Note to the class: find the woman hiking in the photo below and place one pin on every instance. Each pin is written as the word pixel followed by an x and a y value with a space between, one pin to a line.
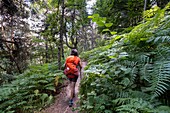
pixel 71 66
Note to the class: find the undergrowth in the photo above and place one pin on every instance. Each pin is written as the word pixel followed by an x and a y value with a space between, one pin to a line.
pixel 32 90
pixel 132 73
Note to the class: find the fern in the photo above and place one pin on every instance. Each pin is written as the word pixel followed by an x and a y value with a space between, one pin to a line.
pixel 133 71
pixel 30 90
pixel 135 105
pixel 161 36
pixel 162 82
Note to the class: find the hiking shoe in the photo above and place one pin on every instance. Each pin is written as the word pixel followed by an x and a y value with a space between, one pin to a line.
pixel 71 103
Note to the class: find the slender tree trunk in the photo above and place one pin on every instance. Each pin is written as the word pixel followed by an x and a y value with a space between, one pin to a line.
pixel 85 38
pixel 59 57
pixel 92 38
pixel 52 51
pixel 144 9
pixel 46 51
pixel 145 5
pixel 73 37
pixel 74 40
pixel 60 47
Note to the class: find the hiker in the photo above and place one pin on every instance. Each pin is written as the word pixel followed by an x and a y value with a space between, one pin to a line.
pixel 72 64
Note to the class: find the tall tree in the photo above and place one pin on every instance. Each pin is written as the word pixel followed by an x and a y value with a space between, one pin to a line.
pixel 13 39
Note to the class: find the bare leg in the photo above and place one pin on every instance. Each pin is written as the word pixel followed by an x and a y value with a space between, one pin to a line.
pixel 72 89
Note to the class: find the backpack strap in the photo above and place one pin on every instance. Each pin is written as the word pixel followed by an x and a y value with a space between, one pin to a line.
pixel 75 61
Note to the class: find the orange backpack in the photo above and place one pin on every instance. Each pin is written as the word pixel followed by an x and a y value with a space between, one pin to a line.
pixel 71 65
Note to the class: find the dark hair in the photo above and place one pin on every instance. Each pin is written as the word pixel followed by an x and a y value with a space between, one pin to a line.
pixel 74 52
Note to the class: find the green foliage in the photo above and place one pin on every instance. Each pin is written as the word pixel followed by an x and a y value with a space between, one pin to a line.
pixel 4 63
pixel 121 13
pixel 125 13
pixel 101 22
pixel 130 74
pixel 31 90
pixel 92 54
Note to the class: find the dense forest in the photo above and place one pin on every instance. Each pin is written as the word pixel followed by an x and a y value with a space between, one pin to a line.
pixel 125 42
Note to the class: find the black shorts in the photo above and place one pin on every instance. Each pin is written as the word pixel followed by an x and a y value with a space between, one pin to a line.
pixel 73 79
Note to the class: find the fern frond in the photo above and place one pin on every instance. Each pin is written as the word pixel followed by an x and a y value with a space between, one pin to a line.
pixel 163 39
pixel 162 83
pixel 135 105
pixel 160 39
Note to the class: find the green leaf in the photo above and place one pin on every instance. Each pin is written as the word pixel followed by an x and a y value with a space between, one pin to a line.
pixel 125 81
pixel 52 88
pixel 123 68
pixel 102 107
pixel 36 91
pixel 95 15
pixel 117 37
pixel 95 19
pixel 108 24
pixel 103 19
pixel 90 17
pixel 43 81
pixel 104 30
pixel 113 32
pixel 89 107
pixel 100 23
pixel 108 111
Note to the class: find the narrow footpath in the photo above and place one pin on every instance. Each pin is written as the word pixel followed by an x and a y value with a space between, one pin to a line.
pixel 61 103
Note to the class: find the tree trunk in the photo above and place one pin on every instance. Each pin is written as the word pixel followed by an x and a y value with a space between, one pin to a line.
pixel 46 51
pixel 73 37
pixel 52 51
pixel 60 47
pixel 85 38
pixel 92 38
pixel 9 50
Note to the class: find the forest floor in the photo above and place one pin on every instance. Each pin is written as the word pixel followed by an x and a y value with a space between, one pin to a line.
pixel 61 100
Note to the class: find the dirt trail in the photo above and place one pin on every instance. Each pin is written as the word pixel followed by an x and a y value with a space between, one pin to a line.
pixel 61 103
